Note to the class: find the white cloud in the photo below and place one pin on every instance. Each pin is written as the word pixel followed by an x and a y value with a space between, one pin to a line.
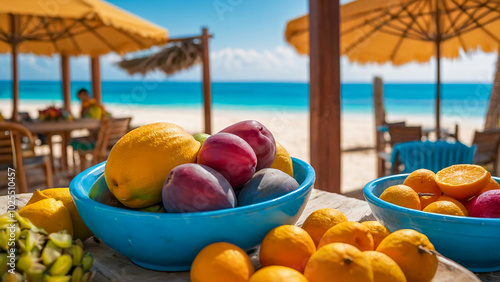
pixel 280 63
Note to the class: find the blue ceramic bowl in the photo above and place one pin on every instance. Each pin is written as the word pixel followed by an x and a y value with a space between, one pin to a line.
pixel 171 241
pixel 472 242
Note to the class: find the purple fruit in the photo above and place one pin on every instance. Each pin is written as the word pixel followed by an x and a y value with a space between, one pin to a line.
pixel 194 187
pixel 266 184
pixel 230 155
pixel 259 138
pixel 486 205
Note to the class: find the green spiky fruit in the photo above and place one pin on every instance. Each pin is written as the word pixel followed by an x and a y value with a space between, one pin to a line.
pixel 40 256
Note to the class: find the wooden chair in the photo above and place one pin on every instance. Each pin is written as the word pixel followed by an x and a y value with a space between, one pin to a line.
pixel 401 134
pixel 12 154
pixel 110 131
pixel 382 140
pixel 487 143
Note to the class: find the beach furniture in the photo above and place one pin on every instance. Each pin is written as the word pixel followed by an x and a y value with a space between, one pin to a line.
pixel 487 143
pixel 61 128
pixel 110 131
pixel 14 156
pixel 430 155
pixel 398 133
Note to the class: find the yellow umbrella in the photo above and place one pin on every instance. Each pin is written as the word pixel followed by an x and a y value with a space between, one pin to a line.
pixel 76 27
pixel 406 31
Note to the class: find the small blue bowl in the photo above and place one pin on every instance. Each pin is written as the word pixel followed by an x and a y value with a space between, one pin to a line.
pixel 471 241
pixel 171 241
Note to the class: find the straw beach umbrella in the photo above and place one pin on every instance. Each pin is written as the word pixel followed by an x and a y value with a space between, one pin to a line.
pixel 71 28
pixel 173 58
pixel 406 31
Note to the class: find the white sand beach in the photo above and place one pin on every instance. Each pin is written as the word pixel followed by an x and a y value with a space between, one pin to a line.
pixel 290 128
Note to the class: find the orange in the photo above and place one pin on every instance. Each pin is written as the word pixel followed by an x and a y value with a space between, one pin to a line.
pixel 318 222
pixel 413 252
pixel 401 195
pixel 80 230
pixel 444 207
pixel 384 268
pixel 283 161
pixel 222 262
pixel 48 214
pixel 462 181
pixel 458 203
pixel 424 181
pixel 141 160
pixel 378 231
pixel 287 245
pixel 277 273
pixel 351 232
pixel 492 185
pixel 338 262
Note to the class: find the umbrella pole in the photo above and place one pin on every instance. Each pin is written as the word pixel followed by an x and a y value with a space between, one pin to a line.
pixel 324 93
pixel 438 71
pixel 66 82
pixel 96 79
pixel 438 90
pixel 207 91
pixel 14 24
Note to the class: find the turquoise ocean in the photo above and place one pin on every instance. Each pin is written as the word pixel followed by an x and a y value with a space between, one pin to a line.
pixel 401 98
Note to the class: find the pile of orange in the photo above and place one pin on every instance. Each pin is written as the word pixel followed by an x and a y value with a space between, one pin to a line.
pixel 449 191
pixel 327 247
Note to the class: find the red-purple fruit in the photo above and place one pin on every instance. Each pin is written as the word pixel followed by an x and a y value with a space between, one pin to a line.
pixel 266 184
pixel 259 138
pixel 194 187
pixel 486 205
pixel 230 155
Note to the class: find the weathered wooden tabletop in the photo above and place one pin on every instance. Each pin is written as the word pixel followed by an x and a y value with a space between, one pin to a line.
pixel 110 265
pixel 61 126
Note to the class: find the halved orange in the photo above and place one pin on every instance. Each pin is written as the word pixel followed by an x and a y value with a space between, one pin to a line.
pixel 462 181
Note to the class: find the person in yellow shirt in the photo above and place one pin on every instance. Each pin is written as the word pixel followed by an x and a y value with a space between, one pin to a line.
pixel 90 107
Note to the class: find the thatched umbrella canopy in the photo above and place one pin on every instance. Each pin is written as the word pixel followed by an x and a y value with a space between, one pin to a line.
pixel 175 57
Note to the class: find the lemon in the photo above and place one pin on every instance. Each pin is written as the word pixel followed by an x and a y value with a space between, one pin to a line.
pixel 49 214
pixel 62 194
pixel 140 161
pixel 283 161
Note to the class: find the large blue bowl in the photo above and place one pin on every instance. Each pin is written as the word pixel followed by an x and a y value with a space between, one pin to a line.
pixel 170 241
pixel 473 242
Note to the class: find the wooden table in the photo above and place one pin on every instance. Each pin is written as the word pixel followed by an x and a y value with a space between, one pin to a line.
pixel 110 265
pixel 62 128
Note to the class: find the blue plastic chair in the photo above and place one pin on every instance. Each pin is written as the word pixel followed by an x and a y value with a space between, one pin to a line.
pixel 430 155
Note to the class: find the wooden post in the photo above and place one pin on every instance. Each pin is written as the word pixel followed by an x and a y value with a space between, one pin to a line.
pixel 14 25
pixel 324 93
pixel 96 79
pixel 493 114
pixel 66 86
pixel 378 104
pixel 378 101
pixel 438 71
pixel 207 87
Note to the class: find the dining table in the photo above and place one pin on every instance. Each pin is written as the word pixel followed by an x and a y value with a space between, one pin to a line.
pixel 62 128
pixel 109 265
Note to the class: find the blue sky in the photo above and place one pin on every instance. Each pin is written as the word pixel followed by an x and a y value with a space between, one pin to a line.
pixel 248 45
